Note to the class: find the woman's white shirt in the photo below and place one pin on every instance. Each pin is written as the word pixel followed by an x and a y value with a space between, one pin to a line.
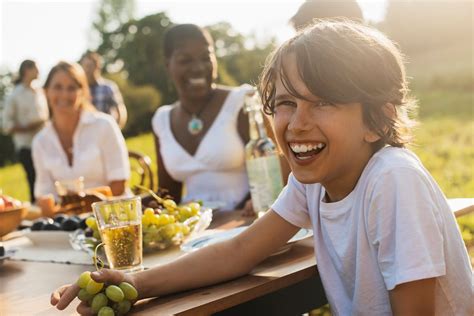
pixel 99 154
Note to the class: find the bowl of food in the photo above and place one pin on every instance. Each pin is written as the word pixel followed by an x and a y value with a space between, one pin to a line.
pixel 12 212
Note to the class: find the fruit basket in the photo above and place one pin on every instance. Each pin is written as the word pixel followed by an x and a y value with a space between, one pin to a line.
pixel 11 218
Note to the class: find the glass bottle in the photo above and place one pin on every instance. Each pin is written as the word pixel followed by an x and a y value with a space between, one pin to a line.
pixel 262 159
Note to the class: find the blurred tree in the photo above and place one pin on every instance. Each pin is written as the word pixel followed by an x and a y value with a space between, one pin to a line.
pixel 141 102
pixel 111 15
pixel 242 58
pixel 420 25
pixel 135 47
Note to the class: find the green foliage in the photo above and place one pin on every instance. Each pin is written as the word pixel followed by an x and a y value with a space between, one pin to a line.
pixel 111 14
pixel 6 83
pixel 136 47
pixel 141 103
pixel 7 153
pixel 240 56
pixel 13 182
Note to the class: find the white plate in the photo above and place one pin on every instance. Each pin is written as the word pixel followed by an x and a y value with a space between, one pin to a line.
pixel 204 241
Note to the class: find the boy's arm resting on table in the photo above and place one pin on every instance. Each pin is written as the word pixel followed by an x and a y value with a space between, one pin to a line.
pixel 164 179
pixel 414 298
pixel 211 264
pixel 203 267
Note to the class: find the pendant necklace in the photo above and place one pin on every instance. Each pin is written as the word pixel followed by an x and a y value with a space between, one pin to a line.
pixel 195 124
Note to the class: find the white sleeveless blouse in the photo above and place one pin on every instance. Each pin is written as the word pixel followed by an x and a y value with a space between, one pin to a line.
pixel 216 173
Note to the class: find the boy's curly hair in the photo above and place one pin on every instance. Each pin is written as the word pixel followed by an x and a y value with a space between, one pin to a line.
pixel 343 62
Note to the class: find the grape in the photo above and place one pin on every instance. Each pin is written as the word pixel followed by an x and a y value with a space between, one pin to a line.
pixel 184 213
pixel 99 301
pixel 146 220
pixel 84 278
pixel 167 219
pixel 106 311
pixel 152 229
pixel 94 287
pixel 195 208
pixel 92 223
pixel 183 228
pixel 155 219
pixel 128 290
pixel 168 231
pixel 148 212
pixel 114 293
pixel 84 296
pixel 123 307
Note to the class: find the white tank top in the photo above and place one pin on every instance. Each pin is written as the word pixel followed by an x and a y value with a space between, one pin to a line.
pixel 216 173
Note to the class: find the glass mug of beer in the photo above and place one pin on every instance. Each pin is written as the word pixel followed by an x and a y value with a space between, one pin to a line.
pixel 120 228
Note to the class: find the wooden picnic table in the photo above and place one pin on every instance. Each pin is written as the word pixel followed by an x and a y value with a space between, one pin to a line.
pixel 284 284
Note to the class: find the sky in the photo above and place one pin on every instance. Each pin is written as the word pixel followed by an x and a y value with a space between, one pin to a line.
pixel 51 30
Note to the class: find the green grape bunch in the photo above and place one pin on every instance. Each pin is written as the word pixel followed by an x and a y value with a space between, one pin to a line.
pixel 106 299
pixel 168 225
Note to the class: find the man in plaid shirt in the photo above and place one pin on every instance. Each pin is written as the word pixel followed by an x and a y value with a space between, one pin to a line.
pixel 105 94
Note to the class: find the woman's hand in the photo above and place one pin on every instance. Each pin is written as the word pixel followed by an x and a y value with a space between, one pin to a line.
pixel 63 296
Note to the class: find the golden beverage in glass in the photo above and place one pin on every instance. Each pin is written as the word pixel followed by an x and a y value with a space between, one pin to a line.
pixel 123 245
pixel 120 228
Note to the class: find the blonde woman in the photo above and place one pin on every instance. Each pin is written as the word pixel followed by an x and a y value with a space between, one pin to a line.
pixel 78 141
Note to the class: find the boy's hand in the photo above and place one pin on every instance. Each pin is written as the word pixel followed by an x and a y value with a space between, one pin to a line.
pixel 64 295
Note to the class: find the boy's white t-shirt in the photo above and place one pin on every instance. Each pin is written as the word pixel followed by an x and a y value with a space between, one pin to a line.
pixel 394 227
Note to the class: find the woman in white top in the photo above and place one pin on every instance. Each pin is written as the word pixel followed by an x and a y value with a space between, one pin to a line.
pixel 200 139
pixel 78 141
pixel 24 115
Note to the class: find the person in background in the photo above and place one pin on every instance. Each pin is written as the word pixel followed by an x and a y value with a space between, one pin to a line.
pixel 24 115
pixel 106 96
pixel 200 139
pixel 78 141
pixel 385 239
pixel 318 9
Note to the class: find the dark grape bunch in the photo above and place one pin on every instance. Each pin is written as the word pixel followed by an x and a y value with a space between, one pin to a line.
pixel 106 300
pixel 59 222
